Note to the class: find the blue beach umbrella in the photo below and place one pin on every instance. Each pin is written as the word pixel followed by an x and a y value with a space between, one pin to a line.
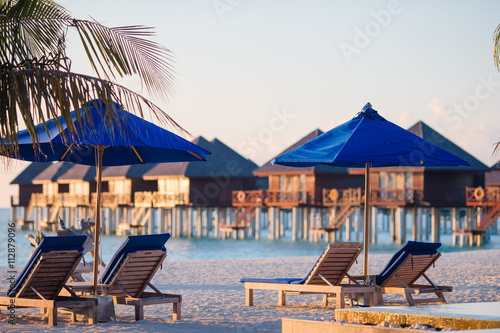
pixel 101 140
pixel 368 140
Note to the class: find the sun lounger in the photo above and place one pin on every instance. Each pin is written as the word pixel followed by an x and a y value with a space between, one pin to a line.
pixel 403 272
pixel 43 278
pixel 129 273
pixel 325 278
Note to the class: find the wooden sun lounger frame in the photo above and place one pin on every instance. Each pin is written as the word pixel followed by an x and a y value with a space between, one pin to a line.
pixel 127 291
pixel 317 283
pixel 403 281
pixel 39 292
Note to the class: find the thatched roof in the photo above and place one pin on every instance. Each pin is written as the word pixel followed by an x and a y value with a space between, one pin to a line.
pixel 78 172
pixel 126 171
pixel 492 177
pixel 222 160
pixel 53 172
pixel 29 173
pixel 427 133
pixel 268 168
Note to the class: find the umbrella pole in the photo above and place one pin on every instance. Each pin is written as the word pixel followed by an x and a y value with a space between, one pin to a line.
pixel 100 151
pixel 367 220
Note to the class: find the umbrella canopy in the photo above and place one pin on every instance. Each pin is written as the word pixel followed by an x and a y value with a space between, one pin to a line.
pixel 126 138
pixel 129 140
pixel 368 140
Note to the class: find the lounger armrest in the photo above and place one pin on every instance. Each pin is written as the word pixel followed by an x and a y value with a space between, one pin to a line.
pixel 361 279
pixel 85 286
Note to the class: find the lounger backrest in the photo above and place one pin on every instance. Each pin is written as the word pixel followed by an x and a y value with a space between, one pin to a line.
pixel 135 272
pixel 134 264
pixel 133 244
pixel 410 248
pixel 410 270
pixel 49 267
pixel 334 263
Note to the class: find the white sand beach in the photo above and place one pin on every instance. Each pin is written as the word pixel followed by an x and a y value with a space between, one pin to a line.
pixel 214 299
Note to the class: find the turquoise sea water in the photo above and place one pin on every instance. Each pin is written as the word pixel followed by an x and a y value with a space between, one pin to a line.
pixel 209 249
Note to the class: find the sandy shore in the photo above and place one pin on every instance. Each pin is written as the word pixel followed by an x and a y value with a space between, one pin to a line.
pixel 214 299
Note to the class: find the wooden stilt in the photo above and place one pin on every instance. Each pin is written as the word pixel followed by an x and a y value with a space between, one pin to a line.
pixel 258 216
pixel 373 225
pixel 272 221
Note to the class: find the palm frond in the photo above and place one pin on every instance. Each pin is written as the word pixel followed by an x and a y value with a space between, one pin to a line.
pixel 496 49
pixel 36 82
pixel 126 50
pixel 31 29
pixel 41 94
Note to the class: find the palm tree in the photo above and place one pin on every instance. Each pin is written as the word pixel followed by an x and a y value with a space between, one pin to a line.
pixel 496 49
pixel 496 58
pixel 36 81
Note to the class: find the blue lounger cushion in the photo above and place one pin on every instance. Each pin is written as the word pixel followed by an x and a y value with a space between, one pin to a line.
pixel 282 280
pixel 48 244
pixel 410 247
pixel 133 244
pixel 278 280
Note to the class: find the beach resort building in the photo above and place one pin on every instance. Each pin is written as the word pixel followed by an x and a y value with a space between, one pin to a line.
pixel 139 198
pixel 327 202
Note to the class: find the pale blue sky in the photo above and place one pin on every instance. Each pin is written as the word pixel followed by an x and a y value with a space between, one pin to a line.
pixel 260 75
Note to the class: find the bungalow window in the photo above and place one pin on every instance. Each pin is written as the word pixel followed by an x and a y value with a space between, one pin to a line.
pixel 50 189
pixel 176 188
pixel 409 185
pixel 395 185
pixel 80 188
pixel 302 188
pixel 121 186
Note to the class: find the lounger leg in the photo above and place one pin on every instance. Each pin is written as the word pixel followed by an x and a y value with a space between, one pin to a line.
pixel 325 300
pixel 374 299
pixel 92 314
pixel 177 311
pixel 281 298
pixel 52 316
pixel 441 296
pixel 380 297
pixel 73 315
pixel 340 301
pixel 409 298
pixel 139 312
pixel 249 297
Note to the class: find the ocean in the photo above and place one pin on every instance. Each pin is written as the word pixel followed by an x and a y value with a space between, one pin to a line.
pixel 210 248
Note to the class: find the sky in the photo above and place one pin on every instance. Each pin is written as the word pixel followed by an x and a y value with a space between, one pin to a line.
pixel 260 75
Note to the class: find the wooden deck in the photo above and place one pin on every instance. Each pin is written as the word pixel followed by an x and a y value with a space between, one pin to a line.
pixel 479 197
pixel 330 198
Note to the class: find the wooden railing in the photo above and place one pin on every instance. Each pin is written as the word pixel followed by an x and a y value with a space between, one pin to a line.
pixel 356 196
pixel 143 199
pixel 334 197
pixel 248 198
pixel 41 200
pixel 479 196
pixel 112 200
pixel 287 198
pixel 169 199
pixel 74 200
pixel 271 198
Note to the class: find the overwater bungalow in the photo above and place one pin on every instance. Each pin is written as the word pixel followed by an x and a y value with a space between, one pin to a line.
pixel 200 186
pixel 26 189
pixel 430 194
pixel 296 195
